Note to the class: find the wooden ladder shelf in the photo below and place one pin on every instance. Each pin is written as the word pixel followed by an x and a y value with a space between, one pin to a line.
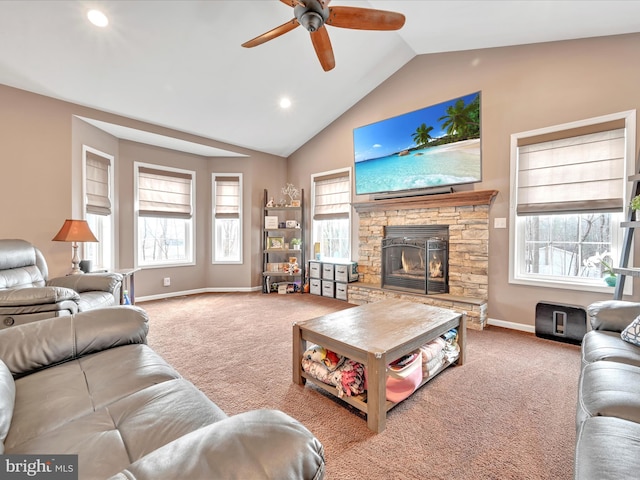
pixel 624 270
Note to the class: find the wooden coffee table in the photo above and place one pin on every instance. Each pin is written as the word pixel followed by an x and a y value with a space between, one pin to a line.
pixel 375 334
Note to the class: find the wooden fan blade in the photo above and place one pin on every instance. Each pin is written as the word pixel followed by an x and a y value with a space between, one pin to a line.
pixel 364 18
pixel 271 34
pixel 322 46
pixel 293 3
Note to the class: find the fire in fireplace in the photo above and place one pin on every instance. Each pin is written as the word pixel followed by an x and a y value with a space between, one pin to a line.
pixel 415 258
pixel 435 266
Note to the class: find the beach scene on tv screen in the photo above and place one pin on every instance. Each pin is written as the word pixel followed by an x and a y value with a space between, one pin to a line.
pixel 433 147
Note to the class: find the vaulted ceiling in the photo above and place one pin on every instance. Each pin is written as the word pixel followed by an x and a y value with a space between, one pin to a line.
pixel 180 64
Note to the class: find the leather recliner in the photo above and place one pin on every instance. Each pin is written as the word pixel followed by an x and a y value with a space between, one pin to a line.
pixel 27 295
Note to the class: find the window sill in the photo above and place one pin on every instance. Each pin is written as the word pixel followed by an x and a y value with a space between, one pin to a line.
pixel 166 265
pixel 582 287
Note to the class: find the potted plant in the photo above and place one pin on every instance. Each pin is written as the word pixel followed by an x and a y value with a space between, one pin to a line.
pixel 607 267
pixel 635 204
pixel 296 243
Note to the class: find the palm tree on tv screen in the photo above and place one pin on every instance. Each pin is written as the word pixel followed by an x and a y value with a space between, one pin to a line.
pixel 462 121
pixel 422 135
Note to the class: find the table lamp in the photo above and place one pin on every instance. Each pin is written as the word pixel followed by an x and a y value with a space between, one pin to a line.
pixel 75 231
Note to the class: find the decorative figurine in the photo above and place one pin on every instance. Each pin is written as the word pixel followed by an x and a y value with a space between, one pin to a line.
pixel 290 191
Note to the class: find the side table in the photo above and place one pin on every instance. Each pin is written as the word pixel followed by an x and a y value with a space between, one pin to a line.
pixel 128 283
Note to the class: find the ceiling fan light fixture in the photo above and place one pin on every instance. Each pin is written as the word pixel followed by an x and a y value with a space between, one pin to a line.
pixel 312 21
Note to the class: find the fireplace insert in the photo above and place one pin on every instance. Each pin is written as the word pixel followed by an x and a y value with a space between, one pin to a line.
pixel 415 259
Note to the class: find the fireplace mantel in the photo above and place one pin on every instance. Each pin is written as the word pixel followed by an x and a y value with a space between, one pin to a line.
pixel 457 199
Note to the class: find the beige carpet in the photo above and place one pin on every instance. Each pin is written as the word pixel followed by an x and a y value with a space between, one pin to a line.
pixel 508 413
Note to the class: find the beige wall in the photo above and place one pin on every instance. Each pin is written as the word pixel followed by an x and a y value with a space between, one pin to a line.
pixel 41 143
pixel 523 88
pixel 35 178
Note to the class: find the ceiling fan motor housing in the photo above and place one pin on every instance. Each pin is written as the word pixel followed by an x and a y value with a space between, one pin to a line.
pixel 311 16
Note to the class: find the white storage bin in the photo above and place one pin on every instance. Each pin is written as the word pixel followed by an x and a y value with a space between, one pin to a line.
pixel 346 272
pixel 327 271
pixel 328 289
pixel 315 286
pixel 341 291
pixel 315 270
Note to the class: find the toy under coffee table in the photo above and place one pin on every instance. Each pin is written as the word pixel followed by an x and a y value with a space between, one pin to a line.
pixel 375 334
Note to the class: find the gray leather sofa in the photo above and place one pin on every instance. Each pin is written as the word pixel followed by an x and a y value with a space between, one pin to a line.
pixel 608 410
pixel 27 295
pixel 88 384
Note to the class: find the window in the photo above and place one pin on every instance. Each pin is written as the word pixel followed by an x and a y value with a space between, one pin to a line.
pixel 331 194
pixel 568 196
pixel 164 198
pixel 227 217
pixel 98 182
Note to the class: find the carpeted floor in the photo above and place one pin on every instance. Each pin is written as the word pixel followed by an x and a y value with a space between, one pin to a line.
pixel 508 413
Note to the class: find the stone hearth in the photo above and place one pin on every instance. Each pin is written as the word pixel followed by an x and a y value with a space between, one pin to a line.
pixel 466 214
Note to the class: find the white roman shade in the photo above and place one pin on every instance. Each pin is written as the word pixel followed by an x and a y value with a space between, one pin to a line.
pixel 332 196
pixel 227 197
pixel 97 184
pixel 571 174
pixel 163 193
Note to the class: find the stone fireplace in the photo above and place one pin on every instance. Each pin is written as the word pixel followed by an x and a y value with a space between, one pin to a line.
pixel 464 215
pixel 415 258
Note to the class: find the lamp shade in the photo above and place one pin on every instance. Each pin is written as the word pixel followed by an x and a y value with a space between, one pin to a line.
pixel 75 231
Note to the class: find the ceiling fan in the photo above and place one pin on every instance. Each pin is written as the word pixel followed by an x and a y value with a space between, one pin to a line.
pixel 315 14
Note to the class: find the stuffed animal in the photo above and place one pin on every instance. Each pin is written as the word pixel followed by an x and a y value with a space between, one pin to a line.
pixel 331 360
pixel 319 354
pixel 316 354
pixel 291 268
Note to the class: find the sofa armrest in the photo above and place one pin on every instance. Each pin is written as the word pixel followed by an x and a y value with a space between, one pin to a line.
pixel 259 444
pixel 33 346
pixel 19 297
pixel 612 315
pixel 90 282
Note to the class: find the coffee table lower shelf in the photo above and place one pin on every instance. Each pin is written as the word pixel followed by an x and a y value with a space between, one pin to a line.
pixel 360 401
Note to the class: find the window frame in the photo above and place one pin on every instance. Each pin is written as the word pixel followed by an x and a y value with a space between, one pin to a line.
pixel 191 230
pixel 240 219
pixel 349 218
pixel 111 218
pixel 516 232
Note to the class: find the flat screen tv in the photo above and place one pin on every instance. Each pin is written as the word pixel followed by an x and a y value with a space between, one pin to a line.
pixel 431 148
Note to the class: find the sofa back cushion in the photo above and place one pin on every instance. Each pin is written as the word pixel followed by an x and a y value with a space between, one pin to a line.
pixel 7 402
pixel 612 315
pixel 21 265
pixel 34 346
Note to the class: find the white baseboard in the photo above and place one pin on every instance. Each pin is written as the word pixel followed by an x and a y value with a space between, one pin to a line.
pixel 511 325
pixel 184 293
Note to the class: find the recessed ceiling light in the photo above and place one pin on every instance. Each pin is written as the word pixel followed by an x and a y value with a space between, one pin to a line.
pixel 285 102
pixel 98 18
